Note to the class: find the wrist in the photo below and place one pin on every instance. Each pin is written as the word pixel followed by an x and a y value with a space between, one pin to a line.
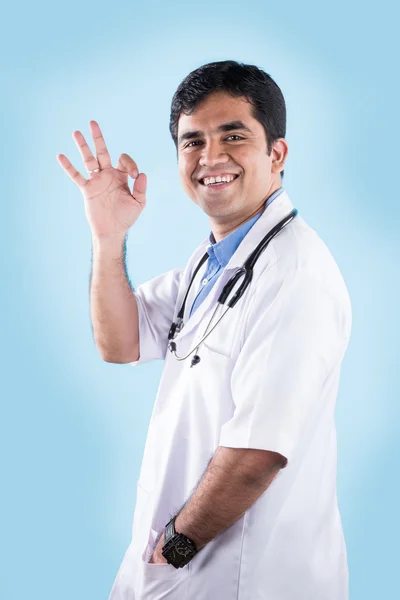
pixel 179 549
pixel 111 245
pixel 180 527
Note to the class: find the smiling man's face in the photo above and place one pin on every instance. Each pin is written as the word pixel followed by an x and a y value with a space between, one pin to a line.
pixel 222 138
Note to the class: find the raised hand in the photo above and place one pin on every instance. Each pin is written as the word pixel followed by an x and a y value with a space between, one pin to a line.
pixel 110 207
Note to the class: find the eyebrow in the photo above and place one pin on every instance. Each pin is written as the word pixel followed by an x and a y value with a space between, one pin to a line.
pixel 229 126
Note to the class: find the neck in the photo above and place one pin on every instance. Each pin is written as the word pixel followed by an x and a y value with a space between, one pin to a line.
pixel 222 230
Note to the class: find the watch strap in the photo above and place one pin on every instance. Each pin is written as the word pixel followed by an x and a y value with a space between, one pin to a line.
pixel 170 530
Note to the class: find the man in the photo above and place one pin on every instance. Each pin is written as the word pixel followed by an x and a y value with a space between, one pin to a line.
pixel 236 497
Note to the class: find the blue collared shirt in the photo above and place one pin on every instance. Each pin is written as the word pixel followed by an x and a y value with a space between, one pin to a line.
pixel 221 252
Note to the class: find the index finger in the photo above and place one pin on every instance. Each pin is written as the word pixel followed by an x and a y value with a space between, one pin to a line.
pixel 102 154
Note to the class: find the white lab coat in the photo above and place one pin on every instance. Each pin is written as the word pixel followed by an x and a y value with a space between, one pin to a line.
pixel 268 379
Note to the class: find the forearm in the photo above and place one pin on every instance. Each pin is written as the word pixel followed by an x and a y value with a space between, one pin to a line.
pixel 112 302
pixel 233 481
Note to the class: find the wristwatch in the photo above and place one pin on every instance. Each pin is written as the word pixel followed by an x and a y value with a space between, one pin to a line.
pixel 178 549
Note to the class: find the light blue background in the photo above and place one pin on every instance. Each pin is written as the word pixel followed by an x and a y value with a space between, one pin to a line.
pixel 72 426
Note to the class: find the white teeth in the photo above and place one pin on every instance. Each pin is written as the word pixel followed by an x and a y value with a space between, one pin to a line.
pixel 218 179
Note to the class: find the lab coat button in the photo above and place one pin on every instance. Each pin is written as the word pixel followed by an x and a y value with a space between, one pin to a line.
pixel 204 281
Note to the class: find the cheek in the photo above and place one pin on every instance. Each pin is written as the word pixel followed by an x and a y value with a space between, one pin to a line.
pixel 187 184
pixel 258 171
pixel 185 174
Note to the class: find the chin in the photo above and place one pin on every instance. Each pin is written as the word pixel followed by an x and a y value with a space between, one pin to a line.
pixel 217 209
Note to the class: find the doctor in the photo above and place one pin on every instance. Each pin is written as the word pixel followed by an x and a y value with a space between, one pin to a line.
pixel 236 498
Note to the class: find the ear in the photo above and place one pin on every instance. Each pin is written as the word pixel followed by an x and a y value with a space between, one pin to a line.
pixel 280 151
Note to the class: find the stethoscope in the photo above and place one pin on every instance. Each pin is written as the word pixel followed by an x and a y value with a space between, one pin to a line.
pixel 246 270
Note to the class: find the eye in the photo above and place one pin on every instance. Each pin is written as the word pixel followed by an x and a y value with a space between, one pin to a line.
pixel 229 136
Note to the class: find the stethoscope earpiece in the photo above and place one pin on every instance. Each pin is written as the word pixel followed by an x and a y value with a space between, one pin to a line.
pixel 195 360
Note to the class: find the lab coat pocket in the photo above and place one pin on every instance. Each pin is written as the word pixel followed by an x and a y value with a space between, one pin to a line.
pixel 161 580
pixel 209 404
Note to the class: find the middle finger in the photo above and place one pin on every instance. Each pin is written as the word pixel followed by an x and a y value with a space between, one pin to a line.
pixel 89 160
pixel 102 154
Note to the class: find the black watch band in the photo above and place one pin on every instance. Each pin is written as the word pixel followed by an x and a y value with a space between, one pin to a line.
pixel 178 548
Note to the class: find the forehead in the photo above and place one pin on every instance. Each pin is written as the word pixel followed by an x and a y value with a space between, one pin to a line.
pixel 217 108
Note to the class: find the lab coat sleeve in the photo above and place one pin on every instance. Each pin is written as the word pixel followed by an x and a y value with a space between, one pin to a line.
pixel 289 349
pixel 156 300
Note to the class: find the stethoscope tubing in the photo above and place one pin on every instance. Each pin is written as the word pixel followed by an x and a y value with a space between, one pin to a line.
pixel 246 270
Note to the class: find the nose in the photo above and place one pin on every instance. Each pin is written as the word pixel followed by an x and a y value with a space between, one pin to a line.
pixel 212 154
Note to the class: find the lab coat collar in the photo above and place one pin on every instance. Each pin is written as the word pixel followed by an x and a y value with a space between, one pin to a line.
pixel 274 213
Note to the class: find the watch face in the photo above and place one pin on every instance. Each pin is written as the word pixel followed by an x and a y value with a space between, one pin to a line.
pixel 182 549
pixel 177 552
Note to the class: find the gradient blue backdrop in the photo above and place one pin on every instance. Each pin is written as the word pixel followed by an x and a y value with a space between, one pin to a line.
pixel 72 426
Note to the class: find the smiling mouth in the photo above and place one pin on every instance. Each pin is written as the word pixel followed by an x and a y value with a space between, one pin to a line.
pixel 219 186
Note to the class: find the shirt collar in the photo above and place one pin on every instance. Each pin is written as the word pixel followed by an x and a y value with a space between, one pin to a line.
pixel 225 248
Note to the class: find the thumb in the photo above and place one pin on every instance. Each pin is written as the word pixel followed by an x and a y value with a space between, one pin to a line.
pixel 140 185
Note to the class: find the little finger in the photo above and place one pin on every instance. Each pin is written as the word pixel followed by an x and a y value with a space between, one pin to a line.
pixel 76 177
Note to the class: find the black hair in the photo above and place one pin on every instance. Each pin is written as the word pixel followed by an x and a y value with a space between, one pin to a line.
pixel 239 80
